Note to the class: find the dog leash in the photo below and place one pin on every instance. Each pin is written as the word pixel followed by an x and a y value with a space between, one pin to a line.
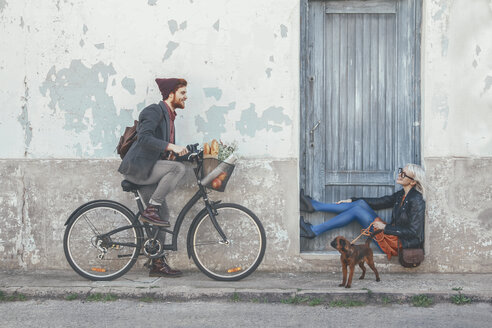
pixel 364 232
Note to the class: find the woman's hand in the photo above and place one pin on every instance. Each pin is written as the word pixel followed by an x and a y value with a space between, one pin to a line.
pixel 379 225
pixel 344 201
pixel 180 150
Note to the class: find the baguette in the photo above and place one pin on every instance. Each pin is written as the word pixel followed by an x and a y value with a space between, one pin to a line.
pixel 214 148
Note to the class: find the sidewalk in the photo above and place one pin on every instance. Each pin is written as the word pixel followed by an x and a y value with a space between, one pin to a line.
pixel 259 287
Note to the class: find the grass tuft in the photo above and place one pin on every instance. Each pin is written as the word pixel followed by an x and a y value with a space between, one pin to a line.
pixel 98 297
pixel 422 301
pixel 72 297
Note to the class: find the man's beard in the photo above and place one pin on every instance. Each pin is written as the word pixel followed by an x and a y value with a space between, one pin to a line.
pixel 178 104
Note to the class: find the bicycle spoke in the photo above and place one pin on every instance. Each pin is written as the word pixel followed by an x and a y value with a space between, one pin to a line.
pixel 93 228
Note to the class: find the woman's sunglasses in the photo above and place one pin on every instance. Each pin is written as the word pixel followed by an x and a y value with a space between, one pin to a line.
pixel 403 174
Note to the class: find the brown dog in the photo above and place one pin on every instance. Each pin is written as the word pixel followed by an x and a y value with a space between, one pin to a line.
pixel 352 255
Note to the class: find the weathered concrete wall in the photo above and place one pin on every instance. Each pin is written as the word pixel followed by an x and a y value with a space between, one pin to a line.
pixel 74 73
pixel 37 197
pixel 457 78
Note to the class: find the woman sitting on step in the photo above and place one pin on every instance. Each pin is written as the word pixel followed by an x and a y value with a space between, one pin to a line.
pixel 406 229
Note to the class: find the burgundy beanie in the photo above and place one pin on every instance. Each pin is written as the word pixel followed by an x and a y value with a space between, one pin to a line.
pixel 166 86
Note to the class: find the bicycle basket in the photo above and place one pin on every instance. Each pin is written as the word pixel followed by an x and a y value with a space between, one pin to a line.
pixel 215 174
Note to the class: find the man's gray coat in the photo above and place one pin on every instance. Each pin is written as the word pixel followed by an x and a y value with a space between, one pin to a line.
pixel 153 134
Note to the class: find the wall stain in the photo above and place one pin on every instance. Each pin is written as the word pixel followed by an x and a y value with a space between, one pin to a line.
pixel 152 2
pixel 215 123
pixel 171 46
pixel 213 92
pixel 128 84
pixel 268 72
pixel 85 29
pixel 270 120
pixel 99 45
pixel 217 25
pixel 81 43
pixel 23 119
pixel 79 92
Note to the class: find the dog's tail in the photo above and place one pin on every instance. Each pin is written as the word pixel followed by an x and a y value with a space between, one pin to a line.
pixel 371 236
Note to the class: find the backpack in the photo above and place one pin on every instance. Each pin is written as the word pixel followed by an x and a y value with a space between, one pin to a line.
pixel 127 139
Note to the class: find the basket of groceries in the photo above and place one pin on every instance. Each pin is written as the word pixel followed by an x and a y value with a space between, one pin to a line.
pixel 218 164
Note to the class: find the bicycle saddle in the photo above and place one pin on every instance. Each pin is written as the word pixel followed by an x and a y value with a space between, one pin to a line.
pixel 129 186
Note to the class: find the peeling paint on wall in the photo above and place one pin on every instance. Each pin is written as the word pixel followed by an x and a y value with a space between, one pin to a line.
pixel 152 2
pixel 215 123
pixel 171 46
pixel 128 84
pixel 173 26
pixel 81 43
pixel 268 72
pixel 270 120
pixel 23 119
pixel 217 25
pixel 3 4
pixel 283 30
pixel 79 93
pixel 440 102
pixel 488 84
pixel 99 45
pixel 213 92
pixel 444 45
pixel 85 29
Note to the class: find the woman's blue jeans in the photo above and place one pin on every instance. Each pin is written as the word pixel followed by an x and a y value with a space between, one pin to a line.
pixel 347 212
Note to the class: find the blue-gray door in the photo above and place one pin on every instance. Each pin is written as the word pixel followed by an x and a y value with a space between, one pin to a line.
pixel 360 107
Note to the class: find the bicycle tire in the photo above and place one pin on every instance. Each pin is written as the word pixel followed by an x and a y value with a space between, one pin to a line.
pixel 239 258
pixel 80 240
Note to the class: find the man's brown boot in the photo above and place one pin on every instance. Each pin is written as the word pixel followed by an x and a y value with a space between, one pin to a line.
pixel 151 215
pixel 159 268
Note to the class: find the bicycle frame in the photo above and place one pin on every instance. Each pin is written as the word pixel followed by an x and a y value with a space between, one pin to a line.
pixel 152 231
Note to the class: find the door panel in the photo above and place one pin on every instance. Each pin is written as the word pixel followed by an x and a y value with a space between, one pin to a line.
pixel 361 83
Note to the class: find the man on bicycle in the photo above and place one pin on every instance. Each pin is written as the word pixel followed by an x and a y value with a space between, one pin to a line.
pixel 150 159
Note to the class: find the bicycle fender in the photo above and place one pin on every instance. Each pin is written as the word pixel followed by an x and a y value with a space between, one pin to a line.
pixel 97 201
pixel 189 245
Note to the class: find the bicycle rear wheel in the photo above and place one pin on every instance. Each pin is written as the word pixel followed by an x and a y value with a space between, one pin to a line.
pixel 100 241
pixel 243 251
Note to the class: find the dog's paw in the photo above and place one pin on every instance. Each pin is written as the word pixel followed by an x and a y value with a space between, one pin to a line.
pixel 378 280
pixel 341 285
pixel 361 277
pixel 348 286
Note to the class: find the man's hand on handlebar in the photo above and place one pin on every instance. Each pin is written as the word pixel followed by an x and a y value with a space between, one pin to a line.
pixel 179 150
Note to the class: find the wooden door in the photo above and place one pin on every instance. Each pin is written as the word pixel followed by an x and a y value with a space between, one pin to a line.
pixel 360 110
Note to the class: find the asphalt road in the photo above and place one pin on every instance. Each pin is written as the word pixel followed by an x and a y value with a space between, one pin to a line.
pixel 128 313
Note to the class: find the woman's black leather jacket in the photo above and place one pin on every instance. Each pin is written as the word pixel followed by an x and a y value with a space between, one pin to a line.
pixel 407 220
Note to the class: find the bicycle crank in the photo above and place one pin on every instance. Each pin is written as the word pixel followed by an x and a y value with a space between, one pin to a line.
pixel 152 248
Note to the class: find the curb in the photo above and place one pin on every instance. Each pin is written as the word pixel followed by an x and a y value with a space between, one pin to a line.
pixel 286 296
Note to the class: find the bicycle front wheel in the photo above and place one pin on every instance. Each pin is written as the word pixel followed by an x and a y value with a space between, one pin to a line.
pixel 240 254
pixel 101 242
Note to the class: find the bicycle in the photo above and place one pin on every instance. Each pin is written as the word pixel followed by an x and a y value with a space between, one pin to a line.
pixel 103 238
